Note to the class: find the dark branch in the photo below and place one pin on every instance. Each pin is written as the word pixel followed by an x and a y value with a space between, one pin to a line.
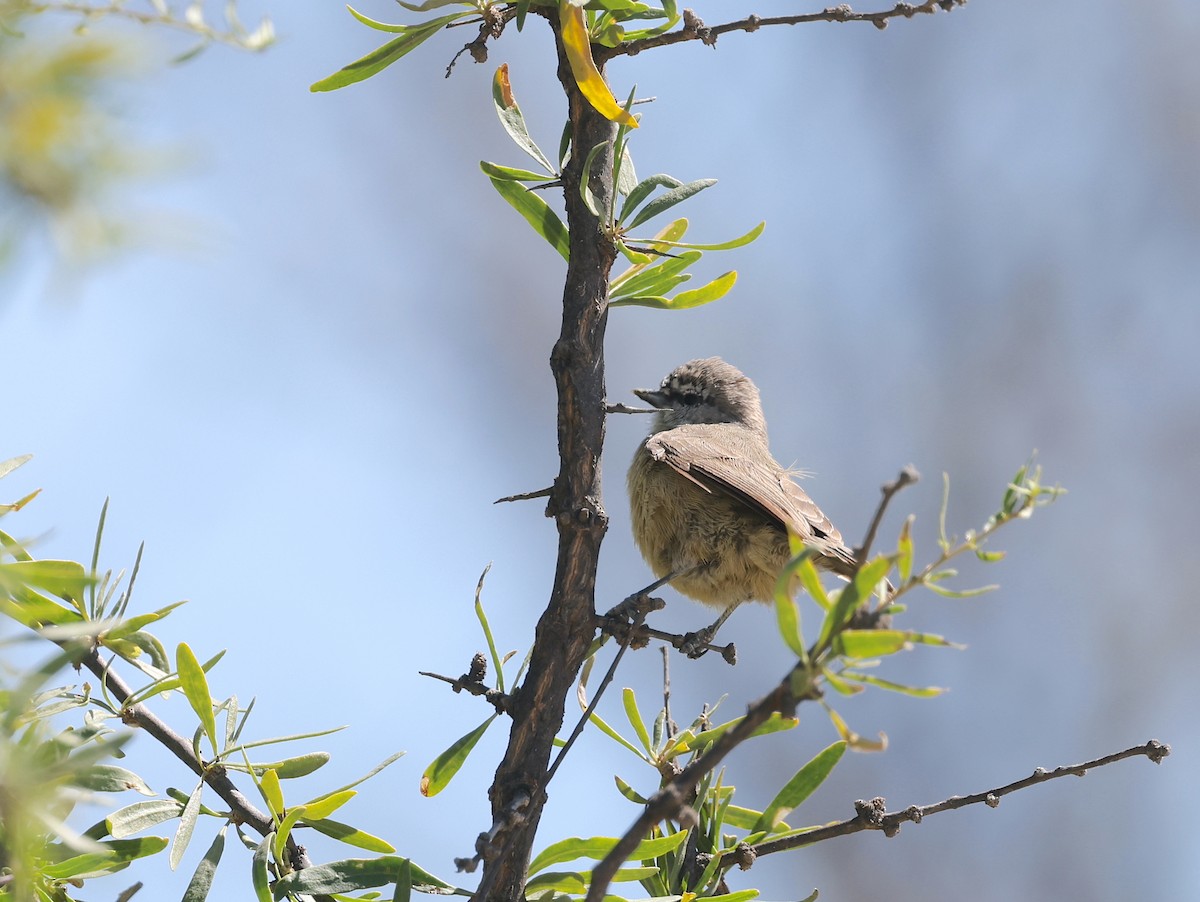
pixel 908 476
pixel 526 496
pixel 872 816
pixel 625 408
pixel 797 686
pixel 472 683
pixel 695 30
pixel 139 715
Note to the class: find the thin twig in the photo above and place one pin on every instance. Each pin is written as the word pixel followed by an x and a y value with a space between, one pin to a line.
pixel 643 609
pixel 871 815
pixel 908 476
pixel 527 496
pixel 695 30
pixel 215 776
pixel 625 408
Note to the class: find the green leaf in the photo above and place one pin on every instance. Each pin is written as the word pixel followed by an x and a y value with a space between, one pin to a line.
pixel 12 463
pixel 509 173
pixel 629 792
pixel 989 557
pixel 326 806
pixel 904 551
pixel 666 201
pixel 260 878
pixel 596 847
pixel 66 579
pixel 288 768
pixel 871 643
pixel 644 189
pixel 111 857
pixel 110 778
pixel 351 836
pixel 386 762
pixel 801 786
pixel 384 56
pixel 195 687
pixel 446 765
pixel 914 691
pixel 202 877
pixel 597 721
pixel 513 120
pixel 481 616
pixel 959 593
pixel 352 874
pixel 741 818
pixel 685 743
pixel 787 614
pixel 635 719
pixel 404 885
pixel 272 792
pixel 141 816
pixel 715 289
pixel 853 594
pixel 134 624
pixel 585 189
pixel 740 241
pixel 187 824
pixel 537 213
pixel 644 279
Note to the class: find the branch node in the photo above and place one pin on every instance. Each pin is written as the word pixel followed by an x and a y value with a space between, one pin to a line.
pixel 744 856
pixel 871 813
pixel 1156 751
pixel 992 800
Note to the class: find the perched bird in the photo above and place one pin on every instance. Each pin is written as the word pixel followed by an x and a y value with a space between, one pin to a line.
pixel 711 507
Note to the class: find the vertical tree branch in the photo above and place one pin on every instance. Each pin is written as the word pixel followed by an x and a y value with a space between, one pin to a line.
pixel 565 630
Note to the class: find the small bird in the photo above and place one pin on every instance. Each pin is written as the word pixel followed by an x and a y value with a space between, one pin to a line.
pixel 711 507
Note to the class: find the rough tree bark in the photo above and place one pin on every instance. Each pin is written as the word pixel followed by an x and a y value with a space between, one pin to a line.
pixel 565 630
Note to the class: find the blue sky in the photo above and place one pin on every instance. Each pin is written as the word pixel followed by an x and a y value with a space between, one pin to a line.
pixel 982 234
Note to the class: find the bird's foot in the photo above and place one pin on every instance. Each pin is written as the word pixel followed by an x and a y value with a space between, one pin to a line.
pixel 699 643
pixel 637 604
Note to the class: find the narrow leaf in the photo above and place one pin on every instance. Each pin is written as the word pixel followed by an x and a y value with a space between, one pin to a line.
pixel 384 56
pixel 260 878
pixel 141 816
pixel 352 874
pixel 202 877
pixel 195 687
pixel 801 786
pixel 644 189
pixel 664 202
pixel 513 120
pixel 187 824
pixel 327 805
pixel 537 213
pixel 446 765
pixel 351 836
pixel 272 792
pixel 112 856
pixel 578 48
pixel 635 718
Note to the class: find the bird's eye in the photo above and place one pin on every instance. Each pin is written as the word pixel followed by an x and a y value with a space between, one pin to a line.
pixel 690 397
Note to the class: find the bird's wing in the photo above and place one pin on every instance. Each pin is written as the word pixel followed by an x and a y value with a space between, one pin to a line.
pixel 700 454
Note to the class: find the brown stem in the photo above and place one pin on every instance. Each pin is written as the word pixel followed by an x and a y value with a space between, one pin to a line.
pixel 565 630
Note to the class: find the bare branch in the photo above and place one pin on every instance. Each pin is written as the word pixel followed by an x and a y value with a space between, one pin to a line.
pixel 908 476
pixel 526 496
pixel 872 816
pixel 695 30
pixel 215 776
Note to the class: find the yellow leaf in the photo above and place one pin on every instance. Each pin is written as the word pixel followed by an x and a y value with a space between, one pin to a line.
pixel 583 67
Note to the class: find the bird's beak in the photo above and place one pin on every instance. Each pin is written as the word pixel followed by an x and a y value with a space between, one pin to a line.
pixel 652 397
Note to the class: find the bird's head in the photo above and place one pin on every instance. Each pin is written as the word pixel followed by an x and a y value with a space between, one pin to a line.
pixel 705 391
